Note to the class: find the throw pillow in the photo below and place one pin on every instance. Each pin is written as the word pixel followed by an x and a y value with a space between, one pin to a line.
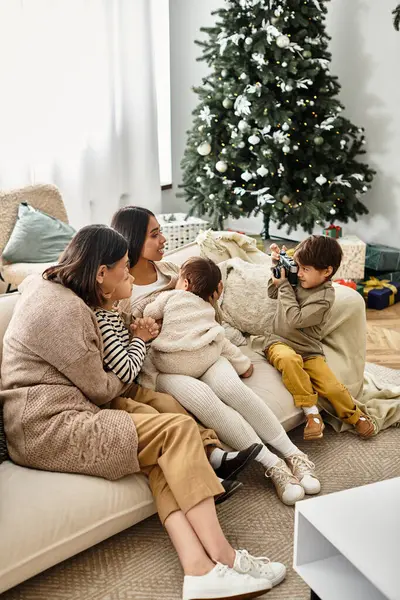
pixel 37 237
pixel 3 445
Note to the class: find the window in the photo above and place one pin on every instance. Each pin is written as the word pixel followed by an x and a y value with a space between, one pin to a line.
pixel 160 31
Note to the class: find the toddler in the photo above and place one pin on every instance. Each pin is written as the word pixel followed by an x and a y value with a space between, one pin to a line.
pixel 294 340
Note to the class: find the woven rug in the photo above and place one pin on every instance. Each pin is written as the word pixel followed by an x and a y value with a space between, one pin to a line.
pixel 140 564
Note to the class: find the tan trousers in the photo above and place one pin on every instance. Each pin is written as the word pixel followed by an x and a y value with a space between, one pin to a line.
pixel 306 378
pixel 171 451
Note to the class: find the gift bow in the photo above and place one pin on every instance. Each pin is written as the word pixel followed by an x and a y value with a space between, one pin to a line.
pixel 379 284
pixel 333 227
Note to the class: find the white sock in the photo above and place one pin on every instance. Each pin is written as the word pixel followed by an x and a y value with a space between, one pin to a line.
pixel 310 410
pixel 267 458
pixel 217 455
pixel 284 445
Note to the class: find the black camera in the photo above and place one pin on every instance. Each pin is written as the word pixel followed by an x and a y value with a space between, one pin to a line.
pixel 290 268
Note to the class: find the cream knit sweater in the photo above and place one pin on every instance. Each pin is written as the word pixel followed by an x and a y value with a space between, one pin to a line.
pixel 190 341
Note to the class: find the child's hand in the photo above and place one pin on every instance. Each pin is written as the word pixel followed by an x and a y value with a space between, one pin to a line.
pixel 146 329
pixel 248 373
pixel 217 294
pixel 275 250
pixel 282 279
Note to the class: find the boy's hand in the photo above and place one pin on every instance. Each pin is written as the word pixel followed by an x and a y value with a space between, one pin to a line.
pixel 275 250
pixel 278 282
pixel 146 329
pixel 248 373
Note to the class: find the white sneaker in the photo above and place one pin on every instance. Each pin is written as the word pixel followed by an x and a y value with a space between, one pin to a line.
pixel 259 566
pixel 223 583
pixel 304 470
pixel 286 484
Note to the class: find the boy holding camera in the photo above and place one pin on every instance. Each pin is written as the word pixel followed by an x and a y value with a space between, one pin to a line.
pixel 294 343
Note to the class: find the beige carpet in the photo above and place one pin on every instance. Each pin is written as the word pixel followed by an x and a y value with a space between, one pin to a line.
pixel 139 564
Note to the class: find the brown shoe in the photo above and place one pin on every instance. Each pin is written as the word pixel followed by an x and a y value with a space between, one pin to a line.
pixel 314 427
pixel 364 427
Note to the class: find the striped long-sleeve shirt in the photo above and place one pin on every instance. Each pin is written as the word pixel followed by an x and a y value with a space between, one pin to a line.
pixel 122 357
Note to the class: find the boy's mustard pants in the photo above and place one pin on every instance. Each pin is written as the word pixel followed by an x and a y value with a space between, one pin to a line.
pixel 307 378
pixel 172 451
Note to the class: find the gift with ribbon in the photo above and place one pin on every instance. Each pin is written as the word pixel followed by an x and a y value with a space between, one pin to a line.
pixel 347 282
pixel 380 293
pixel 385 259
pixel 333 231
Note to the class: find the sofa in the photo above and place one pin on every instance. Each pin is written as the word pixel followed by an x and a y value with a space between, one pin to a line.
pixel 47 517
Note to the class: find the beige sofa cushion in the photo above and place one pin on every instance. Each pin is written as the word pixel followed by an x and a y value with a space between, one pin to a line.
pixel 48 517
pixel 16 273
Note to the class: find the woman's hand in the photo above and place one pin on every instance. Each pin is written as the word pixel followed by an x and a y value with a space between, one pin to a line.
pixel 145 328
pixel 248 373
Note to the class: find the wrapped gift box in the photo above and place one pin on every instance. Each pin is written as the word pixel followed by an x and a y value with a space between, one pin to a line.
pixel 179 229
pixel 353 262
pixel 380 294
pixel 382 258
pixel 333 231
pixel 347 282
pixel 393 276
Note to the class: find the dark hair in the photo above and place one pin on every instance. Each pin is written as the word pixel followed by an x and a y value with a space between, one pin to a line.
pixel 132 222
pixel 202 275
pixel 91 247
pixel 320 252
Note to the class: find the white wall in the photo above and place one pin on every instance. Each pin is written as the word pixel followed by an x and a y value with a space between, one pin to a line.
pixel 366 55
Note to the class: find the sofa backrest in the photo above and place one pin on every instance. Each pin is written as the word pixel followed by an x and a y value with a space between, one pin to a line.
pixel 7 304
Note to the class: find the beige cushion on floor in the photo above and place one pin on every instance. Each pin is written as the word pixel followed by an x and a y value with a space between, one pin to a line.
pixel 16 273
pixel 48 517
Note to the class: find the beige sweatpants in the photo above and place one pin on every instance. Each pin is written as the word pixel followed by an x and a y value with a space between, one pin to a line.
pixel 171 451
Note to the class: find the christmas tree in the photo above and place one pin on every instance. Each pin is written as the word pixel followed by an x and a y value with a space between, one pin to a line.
pixel 396 17
pixel 268 133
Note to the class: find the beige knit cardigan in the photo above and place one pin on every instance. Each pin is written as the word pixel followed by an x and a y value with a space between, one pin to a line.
pixel 54 385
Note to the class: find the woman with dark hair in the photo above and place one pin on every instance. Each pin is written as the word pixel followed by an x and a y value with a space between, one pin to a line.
pixel 214 399
pixel 54 387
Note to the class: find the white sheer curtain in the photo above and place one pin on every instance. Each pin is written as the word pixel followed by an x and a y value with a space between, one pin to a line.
pixel 78 103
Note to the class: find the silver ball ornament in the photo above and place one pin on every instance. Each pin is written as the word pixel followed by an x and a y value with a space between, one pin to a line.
pixel 227 103
pixel 239 202
pixel 332 211
pixel 221 166
pixel 198 179
pixel 241 145
pixel 282 41
pixel 285 199
pixel 254 140
pixel 286 149
pixel 243 126
pixel 248 41
pixel 211 196
pixel 319 140
pixel 295 147
pixel 285 127
pixel 289 88
pixel 224 73
pixel 204 148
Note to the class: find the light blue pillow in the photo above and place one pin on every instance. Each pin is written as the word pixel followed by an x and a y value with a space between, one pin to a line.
pixel 36 237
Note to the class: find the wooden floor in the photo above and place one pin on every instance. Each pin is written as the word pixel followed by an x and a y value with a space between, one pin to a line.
pixel 383 336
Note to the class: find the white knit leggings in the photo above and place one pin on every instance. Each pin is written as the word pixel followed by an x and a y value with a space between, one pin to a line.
pixel 221 401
